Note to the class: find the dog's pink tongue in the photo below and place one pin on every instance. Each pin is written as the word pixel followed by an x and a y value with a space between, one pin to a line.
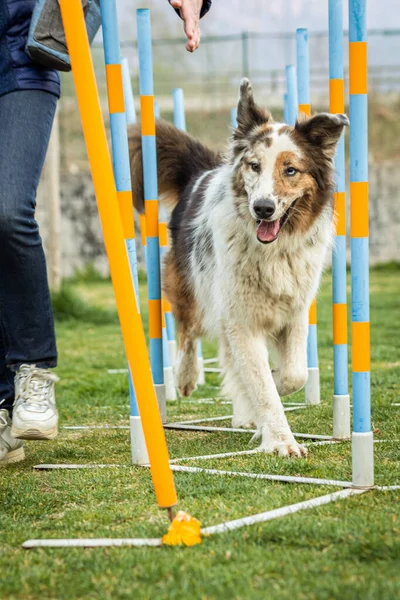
pixel 268 230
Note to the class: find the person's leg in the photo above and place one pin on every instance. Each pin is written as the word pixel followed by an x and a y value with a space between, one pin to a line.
pixel 6 376
pixel 26 119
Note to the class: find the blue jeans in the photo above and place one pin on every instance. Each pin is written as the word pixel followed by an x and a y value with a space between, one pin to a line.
pixel 26 318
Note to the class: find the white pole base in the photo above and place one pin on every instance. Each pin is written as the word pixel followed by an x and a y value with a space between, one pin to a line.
pixel 341 417
pixel 138 444
pixel 172 352
pixel 170 391
pixel 313 395
pixel 362 449
pixel 161 399
pixel 201 380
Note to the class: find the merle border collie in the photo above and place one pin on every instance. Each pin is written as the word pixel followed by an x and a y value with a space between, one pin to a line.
pixel 249 234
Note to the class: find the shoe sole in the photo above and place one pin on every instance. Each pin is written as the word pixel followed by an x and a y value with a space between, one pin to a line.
pixel 13 457
pixel 34 434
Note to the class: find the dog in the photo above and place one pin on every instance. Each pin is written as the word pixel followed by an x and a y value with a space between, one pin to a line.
pixel 249 233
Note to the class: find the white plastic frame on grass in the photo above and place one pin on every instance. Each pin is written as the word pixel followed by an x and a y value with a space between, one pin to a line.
pixel 207 531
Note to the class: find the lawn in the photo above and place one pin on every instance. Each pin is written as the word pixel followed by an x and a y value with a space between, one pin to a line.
pixel 350 549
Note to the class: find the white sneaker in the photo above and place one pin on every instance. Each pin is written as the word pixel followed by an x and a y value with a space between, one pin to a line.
pixel 35 416
pixel 11 450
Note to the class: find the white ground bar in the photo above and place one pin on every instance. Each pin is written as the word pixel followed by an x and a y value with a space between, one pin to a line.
pixel 280 512
pixel 269 477
pixel 92 543
pixel 214 529
pixel 307 436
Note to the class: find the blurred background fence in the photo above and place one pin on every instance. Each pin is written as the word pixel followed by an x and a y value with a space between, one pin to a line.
pixel 210 79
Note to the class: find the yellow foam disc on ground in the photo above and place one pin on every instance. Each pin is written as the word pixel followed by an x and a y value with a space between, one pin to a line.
pixel 184 529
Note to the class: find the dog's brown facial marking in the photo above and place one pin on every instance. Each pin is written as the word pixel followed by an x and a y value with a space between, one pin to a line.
pixel 282 175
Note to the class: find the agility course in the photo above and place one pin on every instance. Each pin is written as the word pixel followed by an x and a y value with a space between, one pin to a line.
pixel 113 194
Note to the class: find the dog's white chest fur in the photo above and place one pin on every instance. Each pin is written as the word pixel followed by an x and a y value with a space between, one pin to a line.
pixel 262 287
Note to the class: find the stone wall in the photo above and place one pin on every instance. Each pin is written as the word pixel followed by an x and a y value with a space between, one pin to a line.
pixel 81 235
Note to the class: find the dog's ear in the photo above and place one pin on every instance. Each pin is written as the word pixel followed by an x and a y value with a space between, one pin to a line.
pixel 249 115
pixel 323 131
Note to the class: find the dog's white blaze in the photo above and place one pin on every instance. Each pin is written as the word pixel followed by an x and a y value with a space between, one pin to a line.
pixel 265 185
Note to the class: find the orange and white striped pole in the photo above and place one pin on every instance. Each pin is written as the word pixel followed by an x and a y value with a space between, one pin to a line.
pixel 362 437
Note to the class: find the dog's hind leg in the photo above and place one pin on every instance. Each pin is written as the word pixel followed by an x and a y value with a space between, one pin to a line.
pixel 187 369
pixel 233 388
pixel 186 314
pixel 250 356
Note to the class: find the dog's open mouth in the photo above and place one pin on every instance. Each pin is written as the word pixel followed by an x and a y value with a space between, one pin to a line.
pixel 268 231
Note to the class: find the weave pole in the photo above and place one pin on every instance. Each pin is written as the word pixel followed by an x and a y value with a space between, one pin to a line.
pixel 169 335
pixel 234 117
pixel 151 204
pixel 180 123
pixel 362 438
pixel 130 119
pixel 104 185
pixel 120 153
pixel 170 391
pixel 129 99
pixel 285 108
pixel 169 319
pixel 312 388
pixel 291 88
pixel 341 398
pixel 168 325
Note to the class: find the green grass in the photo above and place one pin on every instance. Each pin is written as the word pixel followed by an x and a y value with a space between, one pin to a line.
pixel 350 549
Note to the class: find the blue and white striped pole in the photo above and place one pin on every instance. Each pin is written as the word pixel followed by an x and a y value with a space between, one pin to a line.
pixel 303 71
pixel 128 93
pixel 291 87
pixel 180 123
pixel 312 388
pixel 131 118
pixel 170 391
pixel 341 398
pixel 234 117
pixel 121 164
pixel 168 351
pixel 179 108
pixel 285 109
pixel 151 204
pixel 362 438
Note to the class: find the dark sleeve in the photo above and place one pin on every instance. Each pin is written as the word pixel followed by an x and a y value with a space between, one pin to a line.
pixel 205 8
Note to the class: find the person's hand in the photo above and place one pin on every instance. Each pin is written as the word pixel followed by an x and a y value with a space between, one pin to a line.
pixel 190 13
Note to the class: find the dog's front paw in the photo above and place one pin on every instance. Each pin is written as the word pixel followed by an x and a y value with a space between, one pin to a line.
pixel 187 375
pixel 287 447
pixel 242 423
pixel 186 388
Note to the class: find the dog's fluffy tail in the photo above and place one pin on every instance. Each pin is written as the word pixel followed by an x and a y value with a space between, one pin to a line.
pixel 180 158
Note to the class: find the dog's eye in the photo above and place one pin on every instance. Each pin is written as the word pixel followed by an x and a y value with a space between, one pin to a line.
pixel 291 171
pixel 255 167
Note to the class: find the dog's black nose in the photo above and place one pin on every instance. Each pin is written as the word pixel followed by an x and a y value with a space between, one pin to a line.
pixel 264 208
